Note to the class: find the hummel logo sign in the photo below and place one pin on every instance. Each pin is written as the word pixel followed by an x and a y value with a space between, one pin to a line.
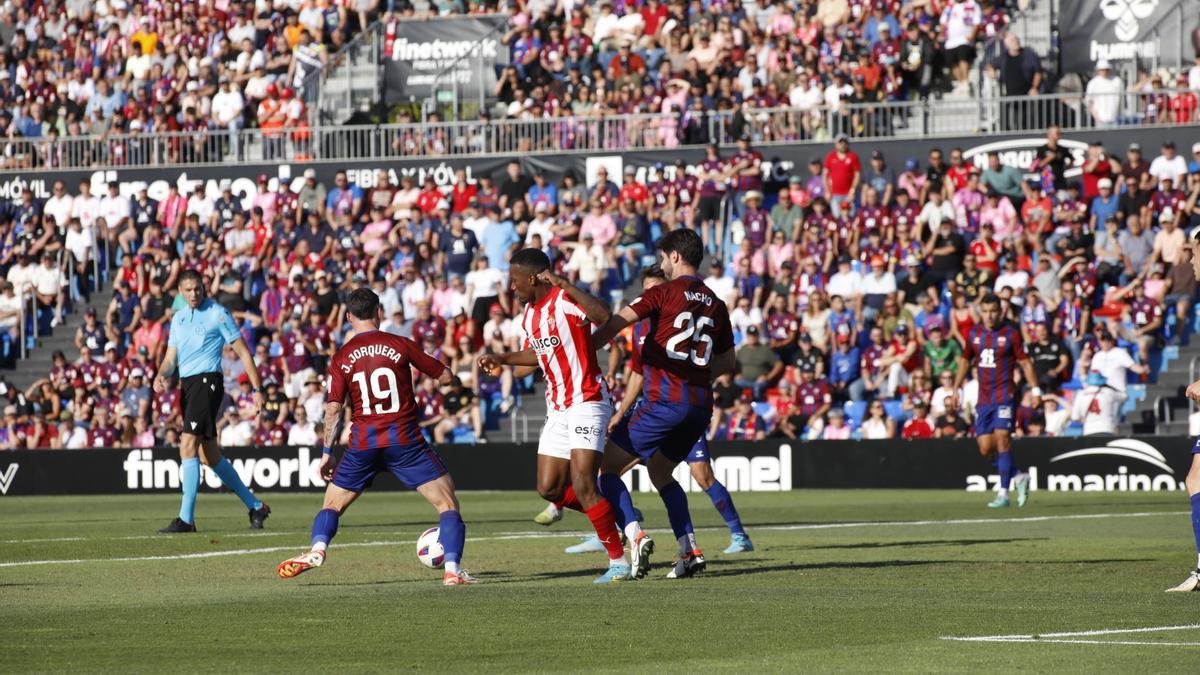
pixel 6 478
pixel 1125 447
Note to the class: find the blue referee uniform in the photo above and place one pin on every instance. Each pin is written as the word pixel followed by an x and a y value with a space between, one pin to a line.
pixel 199 336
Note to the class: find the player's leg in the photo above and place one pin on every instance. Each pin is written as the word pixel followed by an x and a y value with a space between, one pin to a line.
pixel 210 454
pixel 1192 483
pixel 420 468
pixel 324 529
pixel 584 464
pixel 691 560
pixel 552 476
pixel 189 478
pixel 702 472
pixel 1006 464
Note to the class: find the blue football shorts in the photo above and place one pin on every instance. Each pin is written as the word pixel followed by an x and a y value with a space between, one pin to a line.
pixel 415 465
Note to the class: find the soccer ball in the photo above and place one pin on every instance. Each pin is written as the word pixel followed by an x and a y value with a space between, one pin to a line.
pixel 429 549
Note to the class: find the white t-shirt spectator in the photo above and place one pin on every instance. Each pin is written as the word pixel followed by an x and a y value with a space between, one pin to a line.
pixel 806 99
pixel 1174 168
pixel 741 319
pixel 846 284
pixel 881 285
pixel 86 209
pixel 21 277
pixel 1113 365
pixel 75 439
pixel 116 209
pixel 48 281
pixel 1097 408
pixel 227 106
pixel 722 286
pixel 1018 281
pixel 302 434
pixel 934 214
pixel 237 435
pixel 589 262
pixel 9 303
pixel 60 208
pixel 937 401
pixel 79 244
pixel 960 20
pixel 411 295
pixel 1104 98
pixel 485 283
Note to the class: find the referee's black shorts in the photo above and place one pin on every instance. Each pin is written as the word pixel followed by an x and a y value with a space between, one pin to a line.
pixel 202 395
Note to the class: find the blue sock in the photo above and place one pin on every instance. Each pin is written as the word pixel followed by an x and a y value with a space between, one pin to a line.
pixel 675 499
pixel 233 481
pixel 189 476
pixel 724 502
pixel 324 527
pixel 614 490
pixel 452 535
pixel 1004 462
pixel 1196 520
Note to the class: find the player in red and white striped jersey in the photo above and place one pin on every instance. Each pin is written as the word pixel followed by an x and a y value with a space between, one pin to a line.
pixel 558 337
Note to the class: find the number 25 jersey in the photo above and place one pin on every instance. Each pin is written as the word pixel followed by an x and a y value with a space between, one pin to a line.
pixel 689 325
pixel 373 370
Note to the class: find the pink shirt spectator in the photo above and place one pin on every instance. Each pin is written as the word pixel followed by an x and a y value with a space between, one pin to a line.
pixel 601 227
pixel 832 433
pixel 758 261
pixel 1002 216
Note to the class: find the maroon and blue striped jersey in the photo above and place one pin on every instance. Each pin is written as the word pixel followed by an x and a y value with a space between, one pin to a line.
pixel 995 354
pixel 373 370
pixel 688 327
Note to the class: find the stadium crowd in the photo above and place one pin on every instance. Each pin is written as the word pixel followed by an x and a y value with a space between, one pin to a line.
pixel 71 68
pixel 851 288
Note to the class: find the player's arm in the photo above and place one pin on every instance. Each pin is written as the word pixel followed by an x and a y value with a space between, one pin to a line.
pixel 526 358
pixel 1028 372
pixel 428 365
pixel 594 308
pixel 165 369
pixel 333 420
pixel 247 359
pixel 611 328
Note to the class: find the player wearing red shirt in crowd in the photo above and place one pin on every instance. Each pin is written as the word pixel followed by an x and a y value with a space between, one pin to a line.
pixel 995 350
pixel 632 190
pixel 690 343
pixel 373 371
pixel 556 329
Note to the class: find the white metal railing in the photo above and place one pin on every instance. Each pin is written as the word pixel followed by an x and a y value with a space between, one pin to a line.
pixel 908 119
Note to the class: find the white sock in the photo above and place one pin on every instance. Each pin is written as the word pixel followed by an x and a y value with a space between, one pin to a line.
pixel 687 544
pixel 320 546
pixel 622 560
pixel 452 567
pixel 1003 492
pixel 632 529
pixel 553 510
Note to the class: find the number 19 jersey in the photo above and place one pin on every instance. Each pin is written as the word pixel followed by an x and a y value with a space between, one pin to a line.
pixel 373 370
pixel 688 326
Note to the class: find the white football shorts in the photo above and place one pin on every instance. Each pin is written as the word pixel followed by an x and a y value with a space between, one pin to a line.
pixel 583 426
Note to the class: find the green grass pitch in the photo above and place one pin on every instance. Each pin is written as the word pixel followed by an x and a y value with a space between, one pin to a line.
pixel 864 581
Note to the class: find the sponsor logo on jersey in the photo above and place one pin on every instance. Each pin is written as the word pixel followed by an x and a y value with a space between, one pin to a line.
pixel 545 345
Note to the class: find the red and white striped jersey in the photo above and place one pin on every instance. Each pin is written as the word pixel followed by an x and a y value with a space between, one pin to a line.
pixel 559 333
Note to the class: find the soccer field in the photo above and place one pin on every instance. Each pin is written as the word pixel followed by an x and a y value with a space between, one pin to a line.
pixel 873 581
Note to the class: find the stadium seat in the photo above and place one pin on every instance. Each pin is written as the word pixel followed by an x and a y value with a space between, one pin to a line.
pixel 1073 430
pixel 462 435
pixel 895 410
pixel 855 411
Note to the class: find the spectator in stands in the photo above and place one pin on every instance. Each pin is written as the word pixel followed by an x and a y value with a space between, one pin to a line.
pixel 1097 406
pixel 918 425
pixel 1103 95
pixel 758 365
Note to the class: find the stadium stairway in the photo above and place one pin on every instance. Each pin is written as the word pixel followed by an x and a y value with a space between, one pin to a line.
pixel 1164 409
pixel 38 361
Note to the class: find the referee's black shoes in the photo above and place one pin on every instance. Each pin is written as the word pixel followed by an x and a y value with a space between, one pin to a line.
pixel 259 516
pixel 177 526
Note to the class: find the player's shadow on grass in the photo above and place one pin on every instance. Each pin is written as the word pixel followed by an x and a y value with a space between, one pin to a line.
pixel 912 544
pixel 720 568
pixel 1073 505
pixel 425 523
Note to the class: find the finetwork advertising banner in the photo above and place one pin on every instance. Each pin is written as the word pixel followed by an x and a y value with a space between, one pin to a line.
pixel 421 54
pixel 1149 31
pixel 1096 464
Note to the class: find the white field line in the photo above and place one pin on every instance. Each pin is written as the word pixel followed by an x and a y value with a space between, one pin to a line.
pixel 1072 637
pixel 553 535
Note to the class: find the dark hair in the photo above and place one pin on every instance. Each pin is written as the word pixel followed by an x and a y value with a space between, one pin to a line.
pixel 990 299
pixel 192 275
pixel 653 272
pixel 686 243
pixel 532 259
pixel 363 303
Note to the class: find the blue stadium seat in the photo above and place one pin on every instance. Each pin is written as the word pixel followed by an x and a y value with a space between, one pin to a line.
pixel 1073 430
pixel 895 410
pixel 763 409
pixel 855 412
pixel 462 435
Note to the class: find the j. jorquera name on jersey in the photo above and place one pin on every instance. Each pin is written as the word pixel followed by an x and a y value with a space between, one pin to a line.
pixel 370 350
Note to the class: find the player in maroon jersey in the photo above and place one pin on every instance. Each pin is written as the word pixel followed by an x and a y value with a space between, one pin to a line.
pixel 372 369
pixel 557 329
pixel 689 343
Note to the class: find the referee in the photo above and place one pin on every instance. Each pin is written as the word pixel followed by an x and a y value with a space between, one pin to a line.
pixel 199 332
